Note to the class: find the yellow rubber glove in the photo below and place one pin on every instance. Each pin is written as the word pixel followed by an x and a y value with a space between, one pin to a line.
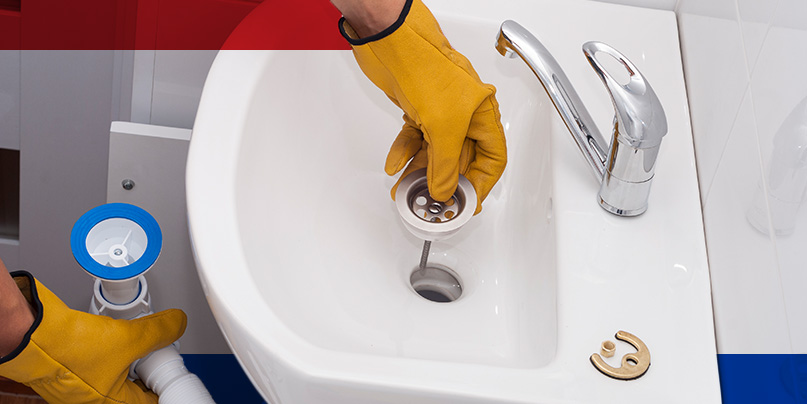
pixel 71 357
pixel 452 123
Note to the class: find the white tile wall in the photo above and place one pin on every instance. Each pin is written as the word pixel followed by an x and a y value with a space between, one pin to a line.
pixel 744 63
pixel 755 19
pixel 722 73
pixel 658 4
pixel 779 84
pixel 741 265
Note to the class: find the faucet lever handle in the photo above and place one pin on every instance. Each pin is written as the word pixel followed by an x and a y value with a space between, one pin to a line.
pixel 640 119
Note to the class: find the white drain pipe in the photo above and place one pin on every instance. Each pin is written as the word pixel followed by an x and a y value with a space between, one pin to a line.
pixel 163 371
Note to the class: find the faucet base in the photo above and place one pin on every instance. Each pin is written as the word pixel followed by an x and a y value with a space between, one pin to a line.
pixel 622 212
pixel 623 198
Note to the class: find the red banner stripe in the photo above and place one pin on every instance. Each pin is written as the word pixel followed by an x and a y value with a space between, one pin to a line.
pixel 169 24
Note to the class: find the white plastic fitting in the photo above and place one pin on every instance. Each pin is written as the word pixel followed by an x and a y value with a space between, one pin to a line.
pixel 121 292
pixel 112 299
pixel 164 372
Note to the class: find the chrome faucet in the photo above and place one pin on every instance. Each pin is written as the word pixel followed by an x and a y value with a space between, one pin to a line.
pixel 626 170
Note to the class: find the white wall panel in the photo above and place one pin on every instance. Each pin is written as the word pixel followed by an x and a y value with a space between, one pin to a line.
pixel 716 77
pixel 658 4
pixel 746 288
pixel 755 20
pixel 142 85
pixel 723 9
pixel 179 76
pixel 779 86
pixel 752 165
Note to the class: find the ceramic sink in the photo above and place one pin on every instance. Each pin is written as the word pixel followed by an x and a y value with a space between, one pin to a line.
pixel 306 264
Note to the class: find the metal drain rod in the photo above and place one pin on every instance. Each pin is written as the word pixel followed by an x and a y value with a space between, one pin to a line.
pixel 424 256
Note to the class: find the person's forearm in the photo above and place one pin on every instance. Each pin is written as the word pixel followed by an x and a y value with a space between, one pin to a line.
pixel 369 17
pixel 16 314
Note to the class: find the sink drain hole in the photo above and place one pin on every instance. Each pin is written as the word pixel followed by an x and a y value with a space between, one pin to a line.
pixel 440 285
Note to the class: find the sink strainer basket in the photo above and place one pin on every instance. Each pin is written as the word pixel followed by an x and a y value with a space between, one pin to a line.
pixel 427 218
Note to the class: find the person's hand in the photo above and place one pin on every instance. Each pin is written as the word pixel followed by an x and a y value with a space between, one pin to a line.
pixel 16 314
pixel 452 123
pixel 72 357
pixel 369 17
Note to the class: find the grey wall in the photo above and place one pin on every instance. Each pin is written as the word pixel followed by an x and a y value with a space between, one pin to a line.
pixel 9 133
pixel 10 99
pixel 65 110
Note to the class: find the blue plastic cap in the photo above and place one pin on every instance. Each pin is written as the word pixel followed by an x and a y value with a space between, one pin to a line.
pixel 82 228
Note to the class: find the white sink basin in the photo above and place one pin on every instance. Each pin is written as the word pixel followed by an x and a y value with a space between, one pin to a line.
pixel 306 264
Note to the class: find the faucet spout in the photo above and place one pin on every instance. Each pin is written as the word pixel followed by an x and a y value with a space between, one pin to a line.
pixel 515 41
pixel 626 170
